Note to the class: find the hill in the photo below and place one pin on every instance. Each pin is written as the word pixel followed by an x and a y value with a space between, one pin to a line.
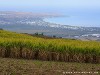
pixel 26 22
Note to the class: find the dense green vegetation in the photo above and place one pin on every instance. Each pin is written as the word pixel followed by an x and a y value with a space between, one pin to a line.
pixel 25 46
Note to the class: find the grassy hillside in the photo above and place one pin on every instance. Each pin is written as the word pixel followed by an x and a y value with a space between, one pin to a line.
pixel 8 34
pixel 16 45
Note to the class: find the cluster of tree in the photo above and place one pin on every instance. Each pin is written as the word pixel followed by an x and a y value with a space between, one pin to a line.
pixel 39 34
pixel 42 35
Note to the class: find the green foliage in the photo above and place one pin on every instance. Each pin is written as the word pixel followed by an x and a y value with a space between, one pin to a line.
pixel 14 39
pixel 75 47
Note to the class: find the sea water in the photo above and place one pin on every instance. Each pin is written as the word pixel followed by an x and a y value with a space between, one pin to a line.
pixel 78 20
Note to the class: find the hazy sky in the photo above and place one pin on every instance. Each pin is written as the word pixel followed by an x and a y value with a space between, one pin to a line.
pixel 68 7
pixel 51 3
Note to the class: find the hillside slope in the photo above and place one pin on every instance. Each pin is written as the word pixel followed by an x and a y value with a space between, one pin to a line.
pixel 26 22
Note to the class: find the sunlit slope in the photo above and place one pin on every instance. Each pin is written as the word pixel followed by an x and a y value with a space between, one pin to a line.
pixel 8 34
pixel 24 46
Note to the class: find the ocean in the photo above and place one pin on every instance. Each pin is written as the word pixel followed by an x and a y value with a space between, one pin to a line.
pixel 77 20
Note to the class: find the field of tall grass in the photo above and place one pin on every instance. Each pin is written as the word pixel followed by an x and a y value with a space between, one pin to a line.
pixel 15 45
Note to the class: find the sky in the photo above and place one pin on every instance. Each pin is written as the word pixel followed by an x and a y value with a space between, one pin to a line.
pixel 56 3
pixel 76 4
pixel 79 8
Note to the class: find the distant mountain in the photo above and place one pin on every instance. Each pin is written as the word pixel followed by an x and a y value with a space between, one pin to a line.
pixel 27 22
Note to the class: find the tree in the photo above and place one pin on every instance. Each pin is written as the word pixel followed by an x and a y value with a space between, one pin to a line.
pixel 54 36
pixel 36 33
